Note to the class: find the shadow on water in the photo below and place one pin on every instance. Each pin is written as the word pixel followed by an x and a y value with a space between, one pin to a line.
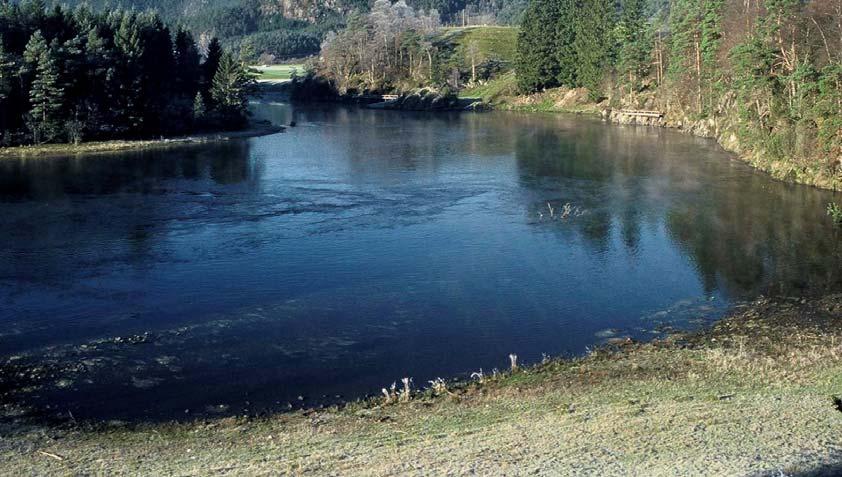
pixel 301 269
pixel 137 172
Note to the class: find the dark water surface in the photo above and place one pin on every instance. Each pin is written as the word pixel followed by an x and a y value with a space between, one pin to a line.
pixel 364 246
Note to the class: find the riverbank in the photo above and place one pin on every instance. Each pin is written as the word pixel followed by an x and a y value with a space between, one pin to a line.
pixel 726 127
pixel 254 129
pixel 756 394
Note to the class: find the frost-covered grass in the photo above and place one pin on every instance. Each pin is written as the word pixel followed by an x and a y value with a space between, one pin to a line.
pixel 753 394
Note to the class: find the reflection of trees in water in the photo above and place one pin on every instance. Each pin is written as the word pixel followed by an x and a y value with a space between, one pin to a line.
pixel 138 172
pixel 745 233
pixel 761 237
pixel 600 169
pixel 384 141
pixel 66 216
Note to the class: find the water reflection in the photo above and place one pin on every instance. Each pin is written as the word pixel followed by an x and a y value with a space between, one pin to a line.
pixel 37 179
pixel 363 246
pixel 746 234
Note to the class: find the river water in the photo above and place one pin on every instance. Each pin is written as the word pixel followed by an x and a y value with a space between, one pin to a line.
pixel 364 246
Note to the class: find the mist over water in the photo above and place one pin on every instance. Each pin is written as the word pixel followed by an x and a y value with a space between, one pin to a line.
pixel 364 246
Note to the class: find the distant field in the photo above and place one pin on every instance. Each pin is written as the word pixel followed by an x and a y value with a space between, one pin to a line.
pixel 277 72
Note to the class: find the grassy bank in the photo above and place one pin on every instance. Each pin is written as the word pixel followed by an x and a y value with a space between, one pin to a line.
pixel 753 394
pixel 53 150
pixel 502 94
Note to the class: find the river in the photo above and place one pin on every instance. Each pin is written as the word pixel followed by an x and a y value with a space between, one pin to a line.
pixel 360 247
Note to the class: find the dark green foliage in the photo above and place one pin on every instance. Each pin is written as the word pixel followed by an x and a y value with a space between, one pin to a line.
pixel 564 42
pixel 65 76
pixel 186 59
pixel 46 97
pixel 633 59
pixel 199 108
pixel 232 85
pixel 279 44
pixel 593 43
pixel 209 67
pixel 537 64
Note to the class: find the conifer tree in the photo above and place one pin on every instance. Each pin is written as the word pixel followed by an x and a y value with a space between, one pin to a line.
pixel 711 35
pixel 35 48
pixel 199 109
pixel 593 43
pixel 129 46
pixel 209 67
pixel 46 99
pixel 565 37
pixel 634 49
pixel 186 56
pixel 231 87
pixel 537 64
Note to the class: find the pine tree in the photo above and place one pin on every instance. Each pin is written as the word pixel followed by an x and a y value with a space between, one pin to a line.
pixel 565 37
pixel 634 50
pixel 129 46
pixel 209 67
pixel 248 52
pixel 685 48
pixel 46 98
pixel 537 64
pixel 199 109
pixel 35 48
pixel 593 44
pixel 231 87
pixel 711 35
pixel 186 55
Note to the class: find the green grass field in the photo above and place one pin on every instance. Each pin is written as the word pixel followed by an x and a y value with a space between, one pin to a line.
pixel 277 72
pixel 492 41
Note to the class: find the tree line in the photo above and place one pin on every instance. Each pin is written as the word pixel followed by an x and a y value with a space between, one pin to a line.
pixel 69 76
pixel 267 31
pixel 388 45
pixel 775 66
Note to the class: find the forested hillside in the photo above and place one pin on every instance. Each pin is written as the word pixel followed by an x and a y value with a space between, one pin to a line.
pixel 276 30
pixel 68 77
pixel 762 76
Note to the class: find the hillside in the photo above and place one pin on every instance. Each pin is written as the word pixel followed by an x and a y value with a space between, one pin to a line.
pixel 499 42
pixel 269 30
